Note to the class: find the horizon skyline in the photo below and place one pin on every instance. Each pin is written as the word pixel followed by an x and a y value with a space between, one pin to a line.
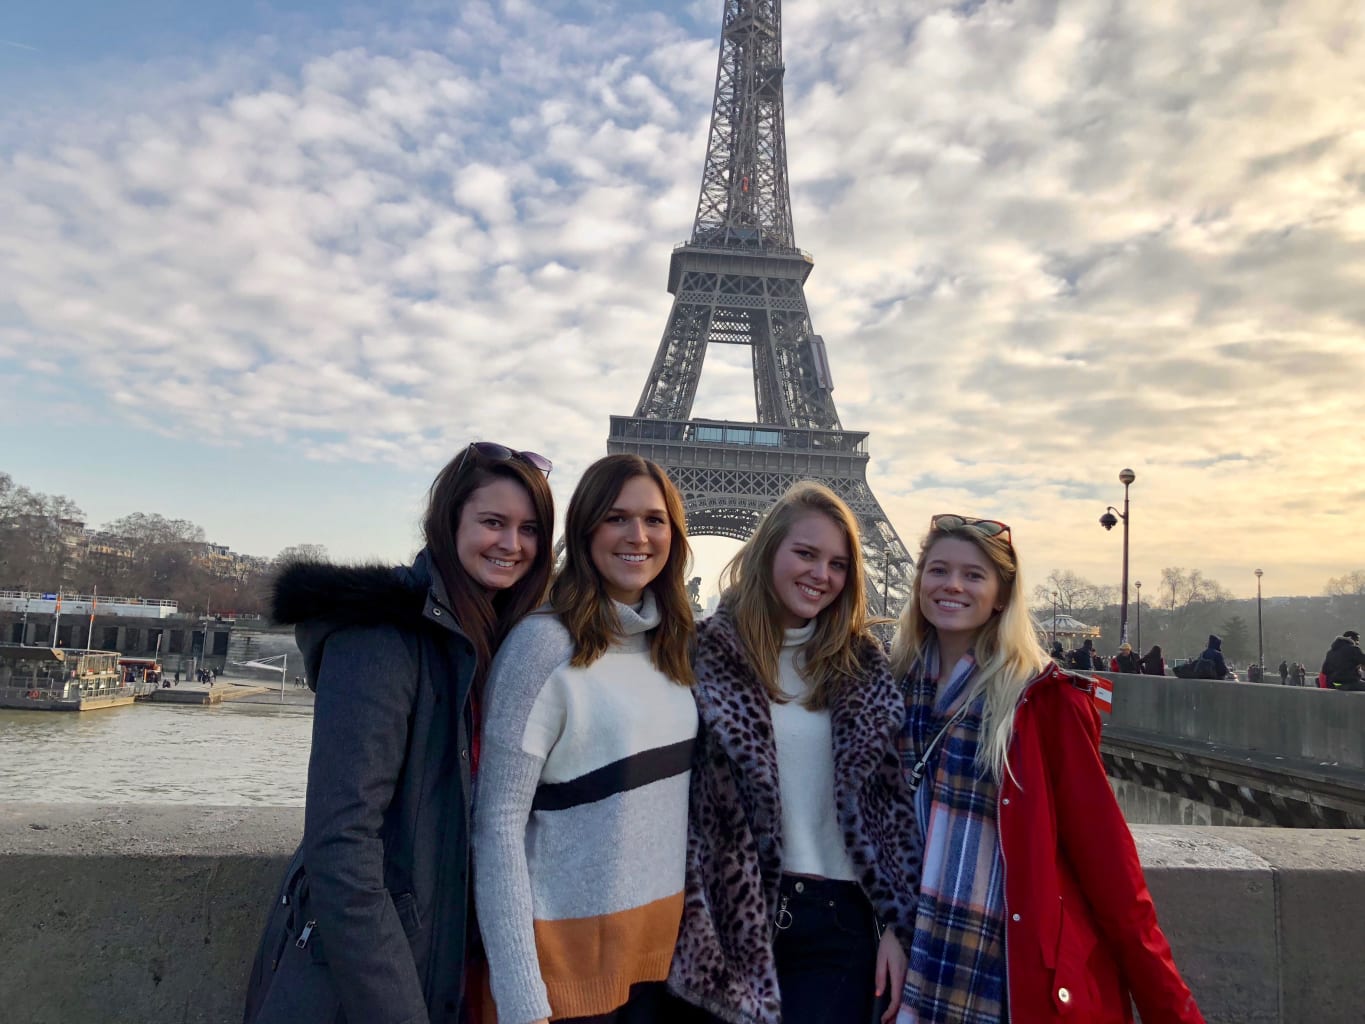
pixel 269 268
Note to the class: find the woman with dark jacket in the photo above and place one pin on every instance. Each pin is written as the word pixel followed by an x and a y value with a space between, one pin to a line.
pixel 802 846
pixel 1032 906
pixel 1153 662
pixel 374 922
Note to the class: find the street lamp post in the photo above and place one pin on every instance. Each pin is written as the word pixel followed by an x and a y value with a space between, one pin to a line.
pixel 1054 618
pixel 1138 587
pixel 1109 520
pixel 1260 635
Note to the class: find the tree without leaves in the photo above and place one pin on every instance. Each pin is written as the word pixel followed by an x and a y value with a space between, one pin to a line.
pixel 1181 590
pixel 150 529
pixel 1352 584
pixel 37 534
pixel 1190 602
pixel 1074 594
pixel 43 546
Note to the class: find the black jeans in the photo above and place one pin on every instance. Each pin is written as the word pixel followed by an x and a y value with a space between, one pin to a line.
pixel 826 951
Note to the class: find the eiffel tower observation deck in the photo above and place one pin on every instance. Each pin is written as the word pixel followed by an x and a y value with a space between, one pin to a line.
pixel 740 280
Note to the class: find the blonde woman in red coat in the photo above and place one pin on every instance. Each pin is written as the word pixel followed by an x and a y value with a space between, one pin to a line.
pixel 1033 907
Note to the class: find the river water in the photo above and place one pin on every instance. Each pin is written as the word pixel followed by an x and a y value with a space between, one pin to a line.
pixel 238 752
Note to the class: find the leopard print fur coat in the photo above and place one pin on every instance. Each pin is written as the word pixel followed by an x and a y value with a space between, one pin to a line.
pixel 724 957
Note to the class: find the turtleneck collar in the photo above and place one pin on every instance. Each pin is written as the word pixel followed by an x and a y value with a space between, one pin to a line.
pixel 797 637
pixel 638 621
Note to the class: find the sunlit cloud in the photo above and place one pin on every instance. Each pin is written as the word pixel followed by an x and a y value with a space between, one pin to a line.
pixel 1051 240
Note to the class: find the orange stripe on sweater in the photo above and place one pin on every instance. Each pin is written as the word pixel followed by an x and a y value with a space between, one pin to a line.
pixel 589 963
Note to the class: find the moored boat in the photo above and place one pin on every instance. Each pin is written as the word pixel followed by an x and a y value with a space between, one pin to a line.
pixel 63 679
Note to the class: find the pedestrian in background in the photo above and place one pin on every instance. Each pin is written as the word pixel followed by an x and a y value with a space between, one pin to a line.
pixel 1127 661
pixel 1213 654
pixel 1083 658
pixel 1343 662
pixel 1032 906
pixel 1153 664
pixel 374 920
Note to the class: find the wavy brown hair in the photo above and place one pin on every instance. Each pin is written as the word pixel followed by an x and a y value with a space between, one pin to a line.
pixel 579 595
pixel 485 618
pixel 830 657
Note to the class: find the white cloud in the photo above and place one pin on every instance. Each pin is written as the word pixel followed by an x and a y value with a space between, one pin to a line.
pixel 1051 240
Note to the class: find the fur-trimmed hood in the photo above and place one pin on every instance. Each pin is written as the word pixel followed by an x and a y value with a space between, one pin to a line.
pixel 319 598
pixel 367 595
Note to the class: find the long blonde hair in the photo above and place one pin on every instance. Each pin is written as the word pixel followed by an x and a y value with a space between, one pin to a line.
pixel 830 657
pixel 1006 647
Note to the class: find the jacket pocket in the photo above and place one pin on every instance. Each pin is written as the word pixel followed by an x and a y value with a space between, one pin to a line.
pixel 1073 989
pixel 281 927
pixel 302 991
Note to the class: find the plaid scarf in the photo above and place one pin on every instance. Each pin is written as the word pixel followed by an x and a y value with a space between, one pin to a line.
pixel 957 957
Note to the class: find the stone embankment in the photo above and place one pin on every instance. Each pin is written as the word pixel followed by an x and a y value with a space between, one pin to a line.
pixel 1210 752
pixel 148 914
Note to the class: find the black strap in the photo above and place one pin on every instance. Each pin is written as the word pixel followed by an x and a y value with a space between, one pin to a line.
pixel 917 772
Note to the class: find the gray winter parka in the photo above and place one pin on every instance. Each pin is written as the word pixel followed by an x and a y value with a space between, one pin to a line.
pixel 371 924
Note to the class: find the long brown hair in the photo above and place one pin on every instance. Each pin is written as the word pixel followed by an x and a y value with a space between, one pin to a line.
pixel 1005 648
pixel 486 618
pixel 830 656
pixel 579 595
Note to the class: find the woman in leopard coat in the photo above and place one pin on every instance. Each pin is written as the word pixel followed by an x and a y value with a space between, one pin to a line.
pixel 802 844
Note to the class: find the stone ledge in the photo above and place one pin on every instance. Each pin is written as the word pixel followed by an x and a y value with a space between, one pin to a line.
pixel 148 914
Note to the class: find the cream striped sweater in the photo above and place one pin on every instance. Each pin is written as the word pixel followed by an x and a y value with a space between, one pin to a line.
pixel 580 820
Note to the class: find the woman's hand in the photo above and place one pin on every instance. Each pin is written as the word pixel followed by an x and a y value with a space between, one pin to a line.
pixel 891 964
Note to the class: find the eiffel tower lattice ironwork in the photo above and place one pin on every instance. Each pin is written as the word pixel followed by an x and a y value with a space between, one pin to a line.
pixel 740 280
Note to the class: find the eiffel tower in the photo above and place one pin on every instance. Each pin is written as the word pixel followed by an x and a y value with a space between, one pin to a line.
pixel 740 280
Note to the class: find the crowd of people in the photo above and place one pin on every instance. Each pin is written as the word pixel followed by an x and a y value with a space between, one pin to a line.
pixel 540 794
pixel 1086 659
pixel 1343 668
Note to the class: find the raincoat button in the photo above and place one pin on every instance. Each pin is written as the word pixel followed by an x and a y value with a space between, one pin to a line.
pixel 1063 995
pixel 464 755
pixel 1015 918
pixel 1006 801
pixel 800 886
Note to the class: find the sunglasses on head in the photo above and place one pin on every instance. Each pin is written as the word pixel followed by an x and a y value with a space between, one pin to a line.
pixel 985 527
pixel 494 452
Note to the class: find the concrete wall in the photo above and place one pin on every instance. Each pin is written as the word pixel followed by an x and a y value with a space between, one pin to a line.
pixel 1145 805
pixel 1322 726
pixel 112 915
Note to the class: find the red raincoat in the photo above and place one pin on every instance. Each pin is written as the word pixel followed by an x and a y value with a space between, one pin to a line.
pixel 1081 930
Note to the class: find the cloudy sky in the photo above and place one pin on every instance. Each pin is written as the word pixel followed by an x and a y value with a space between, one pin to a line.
pixel 267 265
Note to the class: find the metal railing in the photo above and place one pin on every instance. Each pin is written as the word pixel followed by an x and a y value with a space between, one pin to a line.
pixel 99 599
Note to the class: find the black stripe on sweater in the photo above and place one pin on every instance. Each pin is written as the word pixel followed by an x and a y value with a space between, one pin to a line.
pixel 618 777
